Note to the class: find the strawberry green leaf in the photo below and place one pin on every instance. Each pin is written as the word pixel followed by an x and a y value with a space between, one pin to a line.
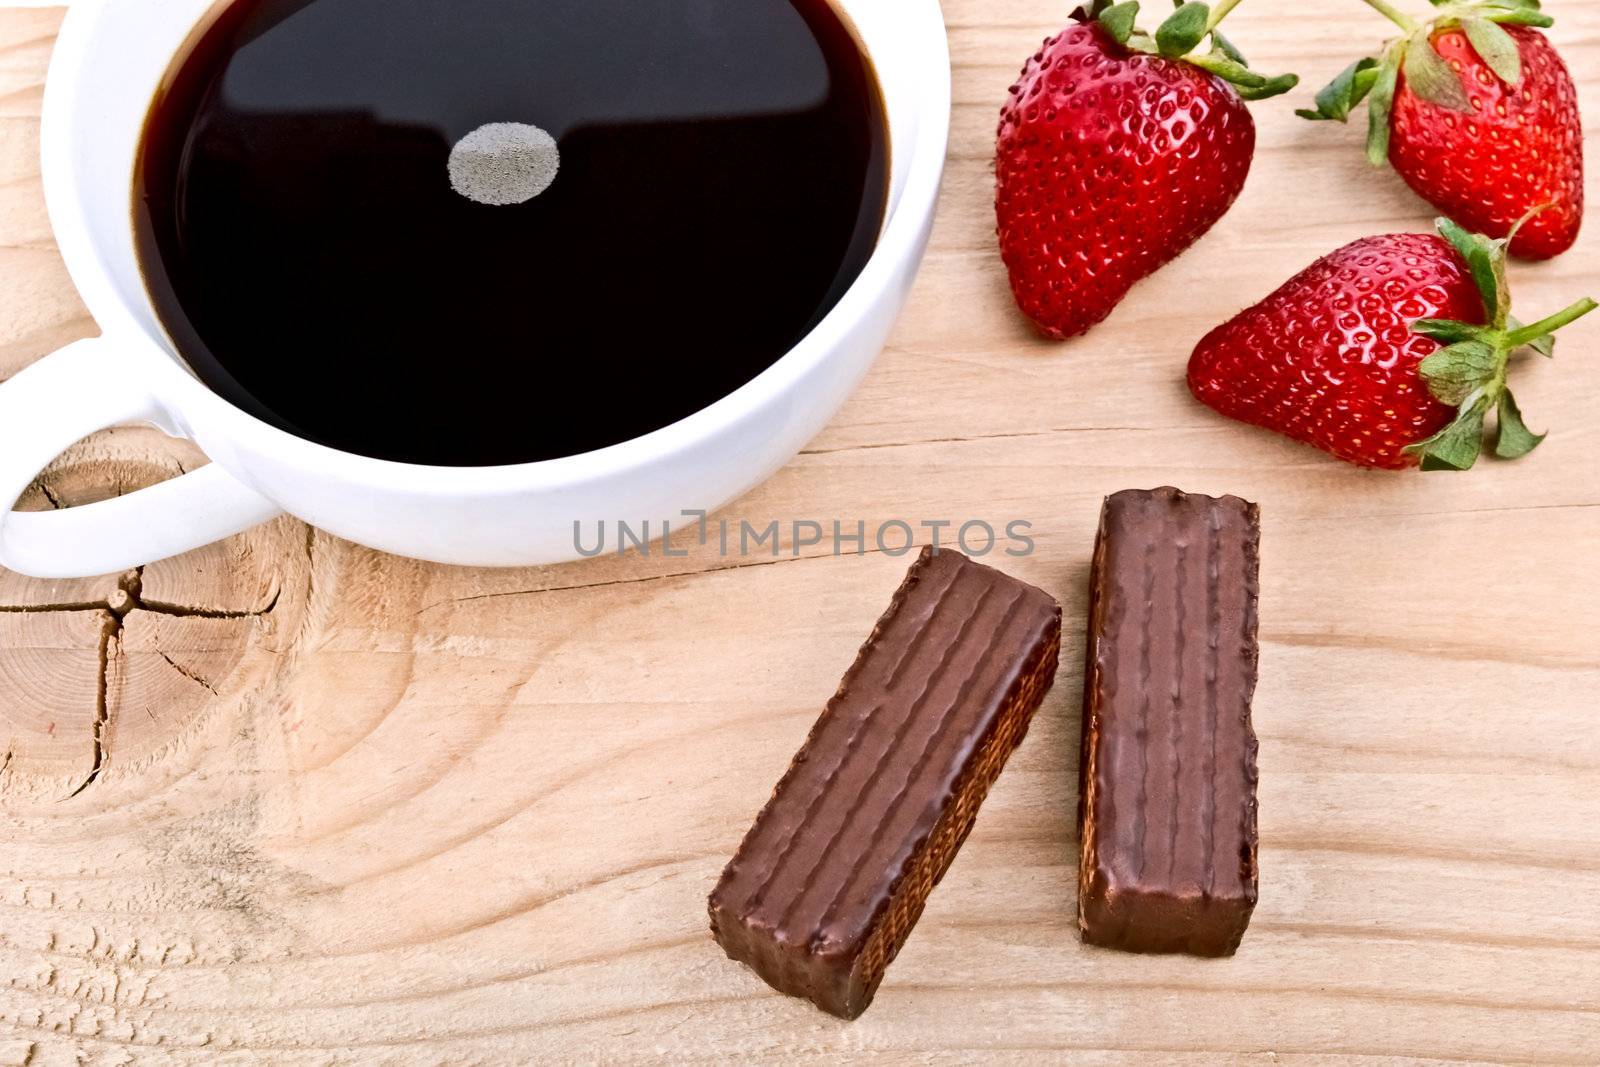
pixel 1140 41
pixel 1118 20
pixel 1249 84
pixel 1270 88
pixel 1514 440
pixel 1513 12
pixel 1233 73
pixel 1183 30
pixel 1521 18
pixel 1460 370
pixel 1486 260
pixel 1457 446
pixel 1449 330
pixel 1380 104
pixel 1227 48
pixel 1495 46
pixel 1340 96
pixel 1488 8
pixel 1431 78
pixel 1366 76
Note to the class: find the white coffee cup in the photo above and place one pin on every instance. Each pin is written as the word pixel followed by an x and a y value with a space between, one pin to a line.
pixel 109 59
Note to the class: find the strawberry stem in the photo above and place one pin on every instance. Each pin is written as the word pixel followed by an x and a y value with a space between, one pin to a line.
pixel 1529 334
pixel 1220 12
pixel 1394 15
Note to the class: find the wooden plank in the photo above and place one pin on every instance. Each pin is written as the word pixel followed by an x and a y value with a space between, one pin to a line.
pixel 289 800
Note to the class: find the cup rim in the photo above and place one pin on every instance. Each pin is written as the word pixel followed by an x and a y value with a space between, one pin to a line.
pixel 922 32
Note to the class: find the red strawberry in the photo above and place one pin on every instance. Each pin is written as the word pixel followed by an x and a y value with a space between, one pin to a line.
pixel 1115 154
pixel 1480 119
pixel 1390 351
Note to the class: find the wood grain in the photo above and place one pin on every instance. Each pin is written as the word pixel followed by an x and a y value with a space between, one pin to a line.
pixel 288 800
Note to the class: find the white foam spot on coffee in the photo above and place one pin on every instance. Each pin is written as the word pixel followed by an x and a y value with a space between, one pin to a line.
pixel 504 163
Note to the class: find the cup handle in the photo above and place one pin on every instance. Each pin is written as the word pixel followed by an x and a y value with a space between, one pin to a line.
pixel 64 398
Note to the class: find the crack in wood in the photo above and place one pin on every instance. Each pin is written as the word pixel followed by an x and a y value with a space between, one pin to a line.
pixel 124 601
pixel 45 609
pixel 187 673
pixel 179 611
pixel 119 604
pixel 102 706
pixel 128 597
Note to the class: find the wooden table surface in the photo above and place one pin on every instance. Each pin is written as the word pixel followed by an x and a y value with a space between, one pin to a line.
pixel 289 800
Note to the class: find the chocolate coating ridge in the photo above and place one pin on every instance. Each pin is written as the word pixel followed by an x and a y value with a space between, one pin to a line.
pixel 1168 793
pixel 836 870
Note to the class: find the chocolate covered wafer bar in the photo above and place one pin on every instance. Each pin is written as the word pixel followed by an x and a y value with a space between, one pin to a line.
pixel 834 873
pixel 1168 801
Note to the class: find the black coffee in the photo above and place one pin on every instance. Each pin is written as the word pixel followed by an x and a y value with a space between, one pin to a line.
pixel 350 227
